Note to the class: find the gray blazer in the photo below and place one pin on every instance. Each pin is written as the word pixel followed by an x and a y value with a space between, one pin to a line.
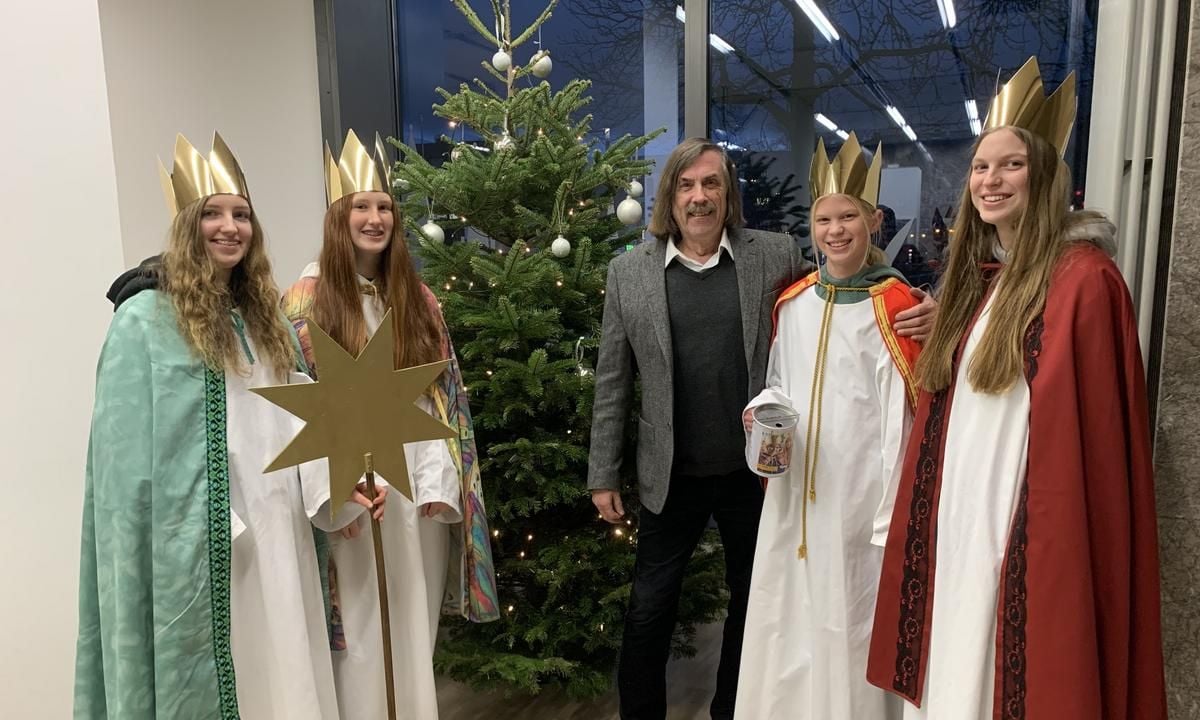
pixel 636 340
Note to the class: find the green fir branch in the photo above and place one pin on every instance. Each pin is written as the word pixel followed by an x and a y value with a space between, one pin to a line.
pixel 475 23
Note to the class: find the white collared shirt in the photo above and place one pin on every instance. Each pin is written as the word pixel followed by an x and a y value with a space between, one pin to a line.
pixel 673 252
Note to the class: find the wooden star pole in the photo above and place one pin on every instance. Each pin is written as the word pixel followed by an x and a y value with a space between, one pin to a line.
pixel 380 572
pixel 360 415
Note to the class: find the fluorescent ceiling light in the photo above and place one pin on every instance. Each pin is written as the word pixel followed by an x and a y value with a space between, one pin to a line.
pixel 946 10
pixel 831 125
pixel 842 134
pixel 900 122
pixel 973 116
pixel 818 19
pixel 925 151
pixel 719 44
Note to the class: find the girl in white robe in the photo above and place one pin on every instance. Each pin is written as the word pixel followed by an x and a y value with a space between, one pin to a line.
pixel 416 544
pixel 433 558
pixel 838 363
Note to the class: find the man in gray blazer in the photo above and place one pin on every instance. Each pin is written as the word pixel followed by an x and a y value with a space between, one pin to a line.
pixel 690 314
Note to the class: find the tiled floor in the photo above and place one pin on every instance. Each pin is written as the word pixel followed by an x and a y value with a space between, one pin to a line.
pixel 689 688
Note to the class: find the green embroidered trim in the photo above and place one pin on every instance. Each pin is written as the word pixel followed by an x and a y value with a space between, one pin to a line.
pixel 219 540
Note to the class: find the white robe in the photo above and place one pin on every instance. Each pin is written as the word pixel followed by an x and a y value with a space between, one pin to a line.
pixel 279 638
pixel 809 621
pixel 416 552
pixel 987 438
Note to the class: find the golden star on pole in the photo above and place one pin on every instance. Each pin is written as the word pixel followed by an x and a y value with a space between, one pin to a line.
pixel 358 407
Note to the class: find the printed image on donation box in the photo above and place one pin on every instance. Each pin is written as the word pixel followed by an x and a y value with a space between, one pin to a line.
pixel 771 437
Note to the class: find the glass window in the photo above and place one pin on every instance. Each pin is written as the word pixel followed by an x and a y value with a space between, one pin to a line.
pixel 914 75
pixel 631 52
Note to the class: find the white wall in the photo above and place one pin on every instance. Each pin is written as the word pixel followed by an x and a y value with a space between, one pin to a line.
pixel 246 69
pixel 61 246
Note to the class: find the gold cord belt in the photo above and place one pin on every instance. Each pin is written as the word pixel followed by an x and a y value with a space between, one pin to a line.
pixel 812 438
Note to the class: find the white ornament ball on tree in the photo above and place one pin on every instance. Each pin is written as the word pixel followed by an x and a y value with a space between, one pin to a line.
pixel 399 184
pixel 502 61
pixel 629 211
pixel 456 153
pixel 561 247
pixel 434 232
pixel 635 189
pixel 542 67
pixel 504 143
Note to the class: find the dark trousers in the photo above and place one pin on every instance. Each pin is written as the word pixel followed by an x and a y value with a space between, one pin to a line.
pixel 665 544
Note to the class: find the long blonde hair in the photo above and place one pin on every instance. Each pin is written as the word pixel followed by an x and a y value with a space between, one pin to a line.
pixel 1042 235
pixel 337 308
pixel 203 302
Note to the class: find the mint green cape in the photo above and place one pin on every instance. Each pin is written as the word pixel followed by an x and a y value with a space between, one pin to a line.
pixel 154 565
pixel 154 578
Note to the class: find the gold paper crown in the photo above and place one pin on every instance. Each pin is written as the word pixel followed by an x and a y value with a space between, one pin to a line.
pixel 192 177
pixel 848 174
pixel 356 171
pixel 1021 103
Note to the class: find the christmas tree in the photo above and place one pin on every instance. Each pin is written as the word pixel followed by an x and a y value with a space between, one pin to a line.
pixel 523 295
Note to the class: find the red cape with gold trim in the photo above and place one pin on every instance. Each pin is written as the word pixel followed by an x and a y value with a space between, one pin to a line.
pixel 888 297
pixel 1079 631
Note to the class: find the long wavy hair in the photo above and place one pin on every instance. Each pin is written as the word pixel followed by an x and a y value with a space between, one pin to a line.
pixel 203 301
pixel 337 307
pixel 662 221
pixel 874 255
pixel 1043 233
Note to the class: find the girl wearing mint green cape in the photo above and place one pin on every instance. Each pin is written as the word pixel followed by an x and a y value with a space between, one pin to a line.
pixel 200 589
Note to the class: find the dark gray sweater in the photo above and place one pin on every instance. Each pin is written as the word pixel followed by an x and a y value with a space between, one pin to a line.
pixel 709 368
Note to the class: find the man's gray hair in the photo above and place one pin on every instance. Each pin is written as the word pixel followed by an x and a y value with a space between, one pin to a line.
pixel 662 221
